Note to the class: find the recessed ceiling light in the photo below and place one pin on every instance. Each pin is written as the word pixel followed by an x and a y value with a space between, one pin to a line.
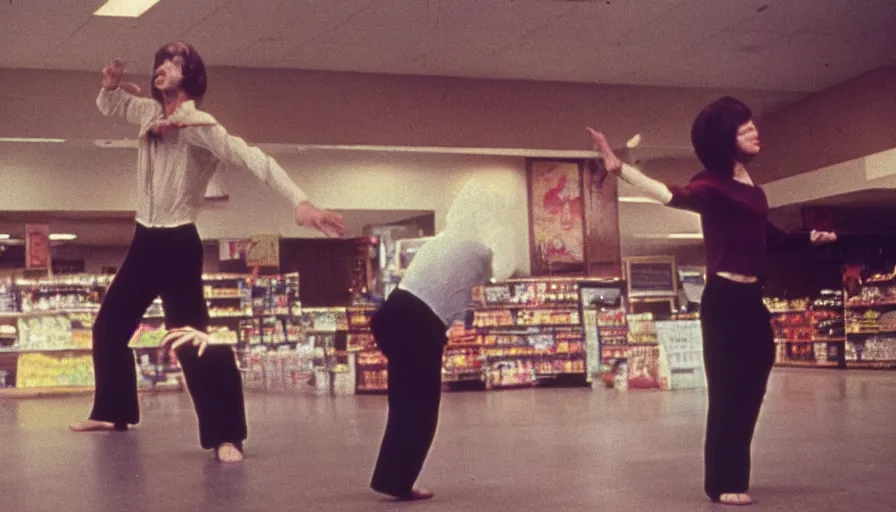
pixel 125 8
pixel 29 139
pixel 63 236
pixel 633 142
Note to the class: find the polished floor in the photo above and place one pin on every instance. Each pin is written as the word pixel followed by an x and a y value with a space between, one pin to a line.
pixel 826 441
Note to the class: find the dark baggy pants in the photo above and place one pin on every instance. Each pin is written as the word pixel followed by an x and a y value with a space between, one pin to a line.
pixel 412 337
pixel 165 262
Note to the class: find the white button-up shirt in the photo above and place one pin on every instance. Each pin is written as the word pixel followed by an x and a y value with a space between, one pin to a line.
pixel 177 156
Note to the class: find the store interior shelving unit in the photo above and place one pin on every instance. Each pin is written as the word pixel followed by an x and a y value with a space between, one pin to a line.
pixel 870 320
pixel 371 375
pixel 809 332
pixel 520 333
pixel 46 333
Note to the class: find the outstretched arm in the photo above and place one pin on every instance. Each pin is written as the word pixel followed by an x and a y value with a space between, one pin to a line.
pixel 234 150
pixel 627 173
pixel 695 197
pixel 119 98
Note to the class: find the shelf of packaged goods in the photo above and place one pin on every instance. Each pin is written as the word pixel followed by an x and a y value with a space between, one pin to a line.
pixel 510 385
pixel 375 366
pixel 211 315
pixel 75 390
pixel 872 365
pixel 808 364
pixel 539 374
pixel 485 345
pixel 217 278
pixel 871 305
pixel 565 356
pixel 525 329
pixel 58 312
pixel 832 339
pixel 880 282
pixel 558 306
pixel 45 392
pixel 787 311
pixel 467 374
pixel 781 340
pixel 223 297
pixel 16 350
pixel 870 334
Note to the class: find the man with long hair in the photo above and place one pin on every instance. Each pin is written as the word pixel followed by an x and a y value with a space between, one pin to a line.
pixel 179 149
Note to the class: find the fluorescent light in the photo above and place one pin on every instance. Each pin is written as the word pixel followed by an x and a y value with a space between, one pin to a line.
pixel 685 236
pixel 29 139
pixel 125 8
pixel 4 236
pixel 63 236
pixel 638 200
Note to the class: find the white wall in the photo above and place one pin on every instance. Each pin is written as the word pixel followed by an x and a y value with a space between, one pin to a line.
pixel 54 177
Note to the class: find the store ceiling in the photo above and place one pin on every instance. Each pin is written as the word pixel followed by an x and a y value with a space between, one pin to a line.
pixel 792 45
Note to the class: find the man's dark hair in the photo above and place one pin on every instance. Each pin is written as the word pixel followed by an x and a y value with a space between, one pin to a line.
pixel 714 133
pixel 195 80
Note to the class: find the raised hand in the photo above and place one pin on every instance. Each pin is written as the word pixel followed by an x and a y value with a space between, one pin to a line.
pixel 599 141
pixel 325 221
pixel 822 237
pixel 112 74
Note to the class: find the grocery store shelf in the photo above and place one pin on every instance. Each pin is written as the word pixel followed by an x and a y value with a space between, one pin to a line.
pixel 884 364
pixel 871 305
pixel 36 350
pixel 808 364
pixel 59 312
pixel 561 306
pixel 883 334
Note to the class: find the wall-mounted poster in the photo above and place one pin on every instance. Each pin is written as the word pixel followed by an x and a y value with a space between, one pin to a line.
pixel 37 246
pixel 556 217
pixel 263 251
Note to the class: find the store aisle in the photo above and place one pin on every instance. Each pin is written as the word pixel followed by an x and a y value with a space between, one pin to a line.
pixel 827 441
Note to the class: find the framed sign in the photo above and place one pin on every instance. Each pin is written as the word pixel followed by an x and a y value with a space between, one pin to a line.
pixel 651 276
pixel 556 217
pixel 37 246
pixel 263 251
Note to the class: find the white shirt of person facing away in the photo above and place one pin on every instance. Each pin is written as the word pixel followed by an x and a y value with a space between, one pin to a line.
pixel 475 246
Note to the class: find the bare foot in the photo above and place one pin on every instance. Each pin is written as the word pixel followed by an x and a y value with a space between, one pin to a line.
pixel 228 452
pixel 93 426
pixel 739 499
pixel 416 494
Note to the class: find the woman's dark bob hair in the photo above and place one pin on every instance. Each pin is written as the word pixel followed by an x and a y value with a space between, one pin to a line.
pixel 195 80
pixel 714 133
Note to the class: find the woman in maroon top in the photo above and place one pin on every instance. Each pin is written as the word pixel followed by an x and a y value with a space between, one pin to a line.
pixel 738 343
